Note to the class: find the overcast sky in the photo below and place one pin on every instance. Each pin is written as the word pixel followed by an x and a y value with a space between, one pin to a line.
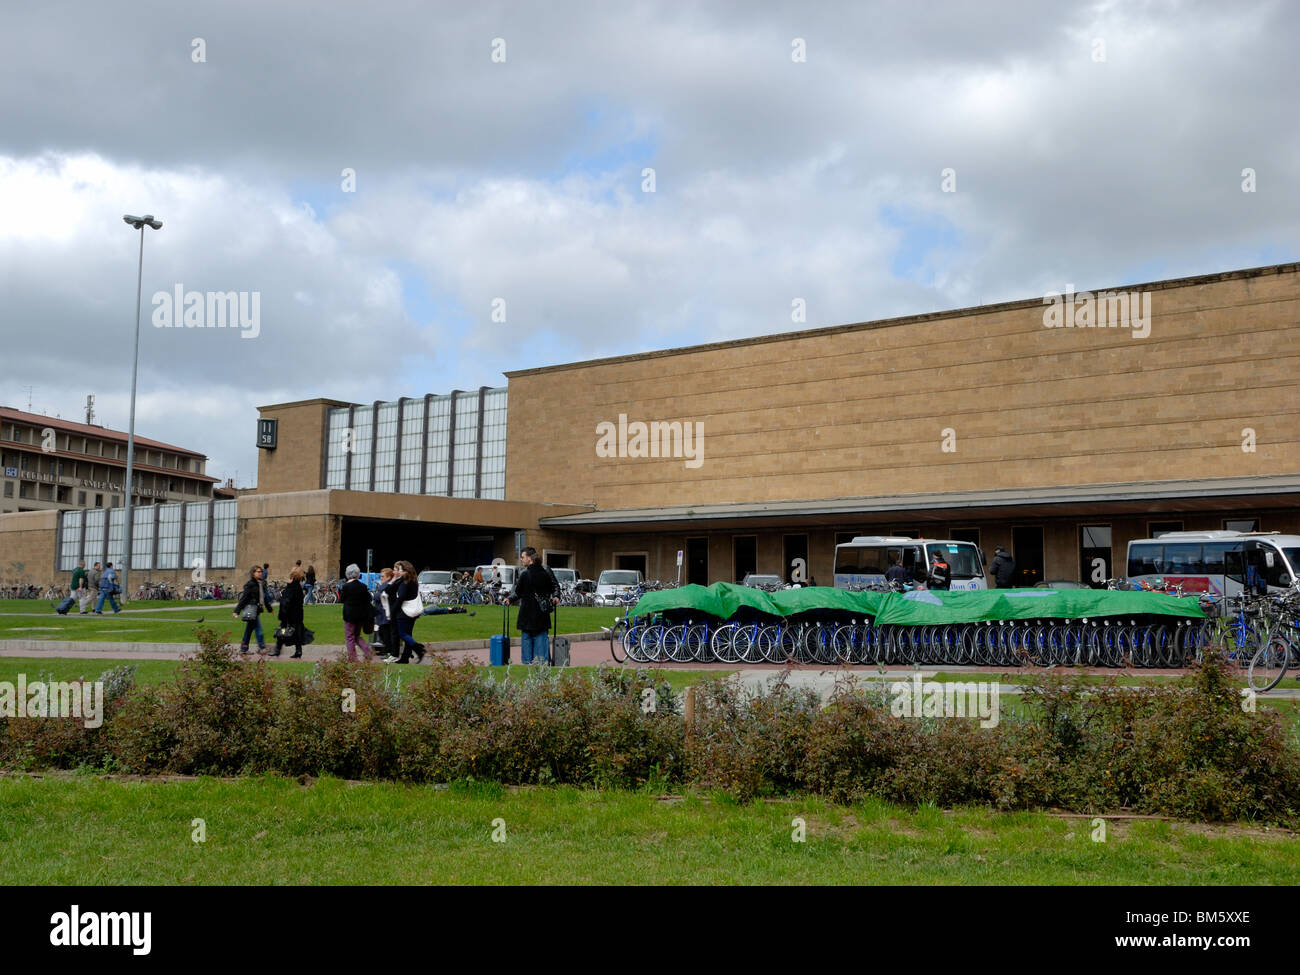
pixel 499 152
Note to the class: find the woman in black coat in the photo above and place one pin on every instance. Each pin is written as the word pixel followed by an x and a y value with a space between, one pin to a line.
pixel 291 613
pixel 254 594
pixel 358 613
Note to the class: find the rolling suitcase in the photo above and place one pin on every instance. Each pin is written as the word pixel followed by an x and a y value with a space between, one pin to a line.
pixel 559 644
pixel 67 604
pixel 499 645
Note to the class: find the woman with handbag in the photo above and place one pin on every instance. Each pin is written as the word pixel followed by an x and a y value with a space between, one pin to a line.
pixel 358 614
pixel 291 627
pixel 252 601
pixel 406 606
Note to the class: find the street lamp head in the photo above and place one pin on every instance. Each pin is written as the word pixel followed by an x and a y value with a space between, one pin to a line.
pixel 140 222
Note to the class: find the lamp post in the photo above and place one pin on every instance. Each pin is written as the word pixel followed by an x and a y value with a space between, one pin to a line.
pixel 139 223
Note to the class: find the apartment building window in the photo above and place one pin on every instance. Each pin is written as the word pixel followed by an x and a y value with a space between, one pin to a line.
pixel 81 499
pixel 99 501
pixel 9 489
pixel 25 490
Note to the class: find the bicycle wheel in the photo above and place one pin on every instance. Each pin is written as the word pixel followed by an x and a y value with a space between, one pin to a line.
pixel 652 639
pixel 1269 664
pixel 616 648
pixel 747 646
pixel 722 643
pixel 697 641
pixel 675 646
pixel 632 642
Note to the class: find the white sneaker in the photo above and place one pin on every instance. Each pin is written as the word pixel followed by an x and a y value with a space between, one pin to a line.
pixel 390 659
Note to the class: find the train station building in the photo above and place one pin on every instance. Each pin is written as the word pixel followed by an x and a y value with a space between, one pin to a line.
pixel 1059 427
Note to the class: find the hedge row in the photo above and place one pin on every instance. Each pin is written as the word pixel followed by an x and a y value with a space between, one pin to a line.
pixel 1186 749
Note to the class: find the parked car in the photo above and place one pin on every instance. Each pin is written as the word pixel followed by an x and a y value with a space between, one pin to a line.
pixel 613 582
pixel 756 581
pixel 1060 584
pixel 566 577
pixel 433 583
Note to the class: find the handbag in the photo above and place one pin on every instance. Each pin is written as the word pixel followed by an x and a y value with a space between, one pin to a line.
pixel 249 615
pixel 413 608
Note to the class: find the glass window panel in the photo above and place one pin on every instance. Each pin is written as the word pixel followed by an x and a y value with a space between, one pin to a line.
pixel 224 525
pixel 361 438
pixel 169 536
pixel 94 536
pixel 336 460
pixel 386 448
pixel 69 539
pixel 142 520
pixel 196 534
pixel 116 518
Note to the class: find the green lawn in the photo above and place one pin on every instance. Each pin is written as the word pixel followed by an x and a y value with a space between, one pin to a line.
pixel 326 621
pixel 92 830
pixel 156 671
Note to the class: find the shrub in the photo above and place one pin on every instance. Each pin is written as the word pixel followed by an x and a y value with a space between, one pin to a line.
pixel 750 742
pixel 32 743
pixel 337 720
pixel 215 718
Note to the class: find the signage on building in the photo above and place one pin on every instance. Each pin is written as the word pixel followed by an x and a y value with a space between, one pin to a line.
pixel 101 485
pixel 266 433
pixel 11 472
pixel 36 476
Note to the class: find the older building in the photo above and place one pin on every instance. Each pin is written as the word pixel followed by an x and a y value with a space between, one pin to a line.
pixel 57 464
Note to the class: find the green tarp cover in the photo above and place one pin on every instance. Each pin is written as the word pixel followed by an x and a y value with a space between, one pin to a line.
pixel 922 607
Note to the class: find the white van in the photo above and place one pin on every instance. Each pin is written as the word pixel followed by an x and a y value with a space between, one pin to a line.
pixel 433 585
pixel 615 582
pixel 1222 563
pixel 865 560
pixel 492 574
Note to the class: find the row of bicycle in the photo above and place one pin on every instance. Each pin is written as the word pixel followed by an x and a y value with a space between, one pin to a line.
pixel 1045 643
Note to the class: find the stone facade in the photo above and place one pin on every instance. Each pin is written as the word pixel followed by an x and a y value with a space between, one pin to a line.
pixel 975 399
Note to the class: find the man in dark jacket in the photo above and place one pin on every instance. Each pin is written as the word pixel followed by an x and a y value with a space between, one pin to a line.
pixel 1003 568
pixel 536 592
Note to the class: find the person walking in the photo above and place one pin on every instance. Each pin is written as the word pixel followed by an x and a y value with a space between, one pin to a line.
pixel 80 585
pixel 107 590
pixel 536 592
pixel 93 575
pixel 383 620
pixel 358 613
pixel 1003 568
pixel 401 591
pixel 311 584
pixel 290 614
pixel 254 594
